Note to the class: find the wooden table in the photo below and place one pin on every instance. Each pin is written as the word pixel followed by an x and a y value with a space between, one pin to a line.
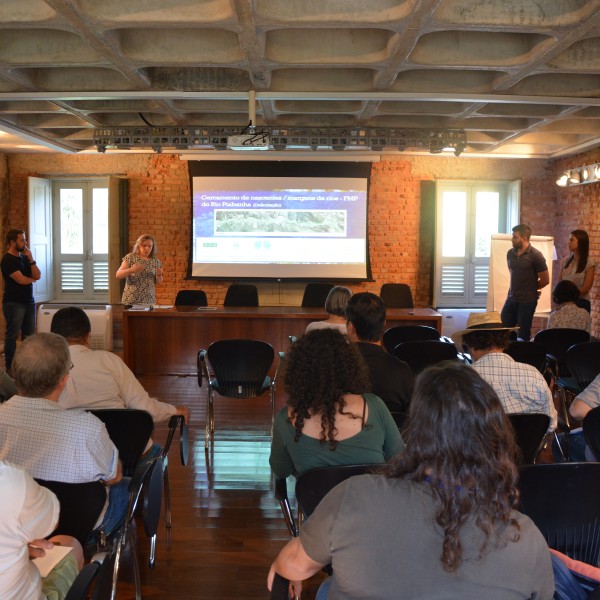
pixel 166 341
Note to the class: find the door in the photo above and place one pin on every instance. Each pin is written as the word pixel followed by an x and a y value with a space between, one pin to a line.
pixel 39 236
pixel 81 240
pixel 467 214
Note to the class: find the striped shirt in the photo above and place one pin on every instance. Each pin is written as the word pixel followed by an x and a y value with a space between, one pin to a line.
pixel 51 443
pixel 520 387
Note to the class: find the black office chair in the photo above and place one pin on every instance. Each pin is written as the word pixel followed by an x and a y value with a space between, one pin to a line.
pixel 396 295
pixel 557 342
pixel 311 487
pixel 421 354
pixel 129 430
pixel 591 431
pixel 191 298
pixel 530 431
pixel 80 507
pixel 239 294
pixel 408 333
pixel 563 500
pixel 147 478
pixel 80 588
pixel 530 353
pixel 239 370
pixel 315 294
pixel 583 361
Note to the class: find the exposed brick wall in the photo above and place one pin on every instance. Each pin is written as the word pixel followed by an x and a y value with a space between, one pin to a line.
pixel 400 228
pixel 578 207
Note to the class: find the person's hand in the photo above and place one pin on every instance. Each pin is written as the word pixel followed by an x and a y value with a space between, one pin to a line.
pixel 27 252
pixel 37 548
pixel 295 589
pixel 159 271
pixel 185 412
pixel 137 268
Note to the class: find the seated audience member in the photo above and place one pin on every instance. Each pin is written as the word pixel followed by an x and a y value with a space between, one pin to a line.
pixel 335 305
pixel 52 443
pixel 520 387
pixel 441 522
pixel 391 379
pixel 586 400
pixel 567 314
pixel 7 386
pixel 29 513
pixel 330 419
pixel 100 379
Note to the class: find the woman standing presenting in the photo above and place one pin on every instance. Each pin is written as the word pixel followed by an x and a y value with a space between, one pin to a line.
pixel 578 267
pixel 141 271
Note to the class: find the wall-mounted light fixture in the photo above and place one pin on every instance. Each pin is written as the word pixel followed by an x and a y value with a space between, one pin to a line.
pixel 580 176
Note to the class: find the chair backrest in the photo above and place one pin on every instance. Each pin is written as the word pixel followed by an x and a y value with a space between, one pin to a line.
pixel 563 500
pixel 397 295
pixel 191 298
pixel 408 333
pixel 153 497
pixel 583 360
pixel 530 430
pixel 80 507
pixel 422 354
pixel 240 366
pixel 591 431
pixel 315 294
pixel 312 486
pixel 241 294
pixel 530 353
pixel 558 341
pixel 129 430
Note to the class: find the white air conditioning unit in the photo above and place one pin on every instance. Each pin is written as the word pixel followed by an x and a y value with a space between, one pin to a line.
pixel 100 316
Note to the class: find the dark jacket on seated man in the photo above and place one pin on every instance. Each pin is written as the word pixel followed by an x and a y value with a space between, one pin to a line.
pixel 391 379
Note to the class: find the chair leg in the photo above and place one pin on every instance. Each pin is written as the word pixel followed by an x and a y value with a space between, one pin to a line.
pixel 135 565
pixel 167 495
pixel 209 419
pixel 152 557
pixel 272 409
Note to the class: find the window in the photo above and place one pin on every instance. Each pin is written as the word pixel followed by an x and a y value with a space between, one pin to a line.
pixel 467 214
pixel 80 225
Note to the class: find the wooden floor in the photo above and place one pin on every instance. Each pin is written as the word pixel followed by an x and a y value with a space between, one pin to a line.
pixel 227 526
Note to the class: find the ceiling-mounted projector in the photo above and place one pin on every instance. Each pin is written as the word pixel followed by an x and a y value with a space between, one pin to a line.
pixel 249 141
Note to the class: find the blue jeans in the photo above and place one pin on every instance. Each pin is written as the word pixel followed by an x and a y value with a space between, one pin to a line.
pixel 519 313
pixel 323 590
pixel 118 500
pixel 566 585
pixel 20 318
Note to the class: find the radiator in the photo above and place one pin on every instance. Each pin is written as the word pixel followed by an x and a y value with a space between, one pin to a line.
pixel 100 316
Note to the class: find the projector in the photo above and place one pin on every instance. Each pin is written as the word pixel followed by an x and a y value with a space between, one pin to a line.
pixel 249 141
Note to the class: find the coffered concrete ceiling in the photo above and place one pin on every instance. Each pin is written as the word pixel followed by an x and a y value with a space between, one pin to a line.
pixel 522 77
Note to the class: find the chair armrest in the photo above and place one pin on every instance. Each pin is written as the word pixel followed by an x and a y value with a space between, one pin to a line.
pixel 281 496
pixel 280 588
pixel 281 359
pixel 80 587
pixel 174 422
pixel 202 367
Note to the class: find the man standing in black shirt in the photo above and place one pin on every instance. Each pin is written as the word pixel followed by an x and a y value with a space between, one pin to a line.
pixel 391 379
pixel 19 271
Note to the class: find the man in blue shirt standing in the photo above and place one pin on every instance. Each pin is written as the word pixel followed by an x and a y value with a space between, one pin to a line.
pixel 528 275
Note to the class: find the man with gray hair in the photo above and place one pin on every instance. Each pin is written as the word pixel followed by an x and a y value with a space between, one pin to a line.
pixel 51 443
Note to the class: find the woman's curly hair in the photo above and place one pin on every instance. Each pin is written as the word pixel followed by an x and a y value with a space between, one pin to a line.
pixel 460 442
pixel 323 366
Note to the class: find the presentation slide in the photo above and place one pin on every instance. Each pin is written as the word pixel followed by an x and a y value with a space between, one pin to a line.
pixel 279 227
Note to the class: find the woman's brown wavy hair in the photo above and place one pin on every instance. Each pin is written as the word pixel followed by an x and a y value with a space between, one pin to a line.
pixel 323 366
pixel 460 442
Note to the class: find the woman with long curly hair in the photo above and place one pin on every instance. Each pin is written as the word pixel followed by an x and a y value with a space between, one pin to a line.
pixel 331 419
pixel 440 522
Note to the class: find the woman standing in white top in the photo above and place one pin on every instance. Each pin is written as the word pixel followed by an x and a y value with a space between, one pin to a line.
pixel 335 305
pixel 578 267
